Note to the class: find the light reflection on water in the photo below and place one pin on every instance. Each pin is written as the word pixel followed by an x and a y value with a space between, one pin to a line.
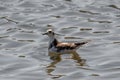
pixel 56 57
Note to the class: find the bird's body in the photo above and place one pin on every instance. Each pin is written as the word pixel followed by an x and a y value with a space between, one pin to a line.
pixel 56 46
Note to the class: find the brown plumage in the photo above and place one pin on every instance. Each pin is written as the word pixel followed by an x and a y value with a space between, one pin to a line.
pixel 68 46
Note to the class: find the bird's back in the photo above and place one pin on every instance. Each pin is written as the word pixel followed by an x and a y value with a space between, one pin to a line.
pixel 68 46
pixel 80 44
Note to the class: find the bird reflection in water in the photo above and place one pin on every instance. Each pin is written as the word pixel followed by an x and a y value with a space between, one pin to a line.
pixel 56 58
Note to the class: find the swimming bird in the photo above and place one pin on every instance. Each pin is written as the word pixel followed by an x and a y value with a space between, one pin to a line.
pixel 56 46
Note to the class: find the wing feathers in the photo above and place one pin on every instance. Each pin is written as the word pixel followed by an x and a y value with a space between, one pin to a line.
pixel 80 44
pixel 68 46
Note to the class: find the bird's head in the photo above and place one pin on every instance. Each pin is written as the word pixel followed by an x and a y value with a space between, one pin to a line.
pixel 49 32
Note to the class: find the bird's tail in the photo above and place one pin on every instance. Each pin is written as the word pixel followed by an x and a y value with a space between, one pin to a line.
pixel 80 44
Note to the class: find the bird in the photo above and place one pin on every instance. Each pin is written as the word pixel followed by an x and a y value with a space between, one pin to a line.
pixel 61 47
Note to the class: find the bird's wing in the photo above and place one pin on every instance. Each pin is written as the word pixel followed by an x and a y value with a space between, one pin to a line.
pixel 65 46
pixel 69 46
pixel 80 44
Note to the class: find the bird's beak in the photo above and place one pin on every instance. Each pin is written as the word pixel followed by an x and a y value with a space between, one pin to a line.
pixel 44 33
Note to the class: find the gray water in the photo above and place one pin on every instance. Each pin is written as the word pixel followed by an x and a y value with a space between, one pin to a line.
pixel 23 48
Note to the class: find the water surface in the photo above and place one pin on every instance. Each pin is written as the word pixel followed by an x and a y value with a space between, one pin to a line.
pixel 23 48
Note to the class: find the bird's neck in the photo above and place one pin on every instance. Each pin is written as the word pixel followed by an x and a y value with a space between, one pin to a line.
pixel 51 39
pixel 52 42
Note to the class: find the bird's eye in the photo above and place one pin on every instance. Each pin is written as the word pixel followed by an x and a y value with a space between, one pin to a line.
pixel 50 31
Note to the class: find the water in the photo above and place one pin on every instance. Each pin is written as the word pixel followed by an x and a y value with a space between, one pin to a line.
pixel 23 48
